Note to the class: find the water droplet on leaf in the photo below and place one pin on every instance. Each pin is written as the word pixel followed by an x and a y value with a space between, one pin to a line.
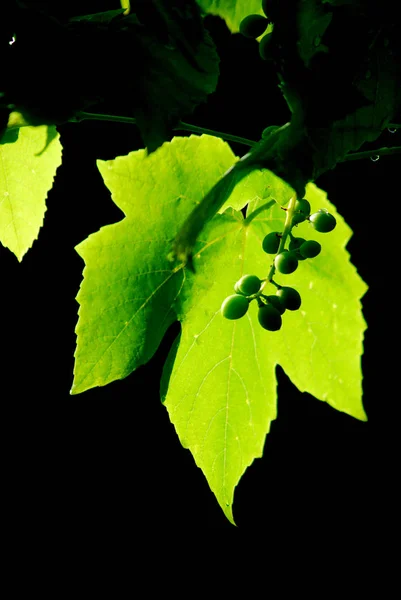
pixel 391 130
pixel 375 158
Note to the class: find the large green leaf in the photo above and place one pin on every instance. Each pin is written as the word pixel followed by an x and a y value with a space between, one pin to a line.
pixel 219 383
pixel 28 164
pixel 119 328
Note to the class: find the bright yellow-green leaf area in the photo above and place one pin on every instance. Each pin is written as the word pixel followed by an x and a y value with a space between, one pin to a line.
pixel 232 11
pixel 27 169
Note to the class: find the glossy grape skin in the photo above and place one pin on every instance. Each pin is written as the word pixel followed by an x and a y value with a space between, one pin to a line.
pixel 323 221
pixel 248 285
pixel 234 307
pixel 269 318
pixel 271 242
pixel 253 26
pixel 276 302
pixel 286 262
pixel 310 249
pixel 290 297
pixel 301 211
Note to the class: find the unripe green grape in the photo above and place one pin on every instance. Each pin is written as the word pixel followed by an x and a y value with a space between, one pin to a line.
pixel 290 297
pixel 269 317
pixel 296 243
pixel 301 211
pixel 323 221
pixel 266 7
pixel 236 289
pixel 248 285
pixel 265 47
pixel 271 242
pixel 276 302
pixel 310 249
pixel 286 262
pixel 234 307
pixel 253 26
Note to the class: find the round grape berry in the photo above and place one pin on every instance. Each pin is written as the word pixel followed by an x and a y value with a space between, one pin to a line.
pixel 286 262
pixel 265 47
pixel 234 307
pixel 267 7
pixel 253 26
pixel 301 211
pixel 323 221
pixel 290 297
pixel 296 243
pixel 310 249
pixel 269 317
pixel 248 285
pixel 276 302
pixel 271 242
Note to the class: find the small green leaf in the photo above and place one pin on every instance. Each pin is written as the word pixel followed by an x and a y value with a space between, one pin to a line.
pixel 27 168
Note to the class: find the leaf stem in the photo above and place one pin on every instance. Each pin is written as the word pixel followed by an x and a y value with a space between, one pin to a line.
pixel 369 153
pixel 224 136
pixel 85 116
pixel 287 230
pixel 256 212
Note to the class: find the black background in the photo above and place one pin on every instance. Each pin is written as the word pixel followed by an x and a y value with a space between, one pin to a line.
pixel 108 463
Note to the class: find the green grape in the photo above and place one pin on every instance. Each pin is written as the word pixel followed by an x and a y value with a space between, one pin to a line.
pixel 248 285
pixel 323 221
pixel 289 297
pixel 234 307
pixel 296 243
pixel 310 249
pixel 276 302
pixel 237 291
pixel 269 317
pixel 267 7
pixel 271 242
pixel 265 47
pixel 301 211
pixel 253 26
pixel 286 262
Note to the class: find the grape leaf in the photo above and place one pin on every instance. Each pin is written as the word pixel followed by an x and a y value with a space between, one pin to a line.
pixel 232 11
pixel 28 164
pixel 222 390
pixel 219 383
pixel 119 329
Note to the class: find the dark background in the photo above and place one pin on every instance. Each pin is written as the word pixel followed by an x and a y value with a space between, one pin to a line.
pixel 107 463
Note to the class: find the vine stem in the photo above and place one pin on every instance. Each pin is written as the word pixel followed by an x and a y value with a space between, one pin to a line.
pixel 371 153
pixel 182 126
pixel 286 231
pixel 85 116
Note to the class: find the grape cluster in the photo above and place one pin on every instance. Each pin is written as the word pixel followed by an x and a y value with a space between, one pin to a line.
pixel 286 260
pixel 253 26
